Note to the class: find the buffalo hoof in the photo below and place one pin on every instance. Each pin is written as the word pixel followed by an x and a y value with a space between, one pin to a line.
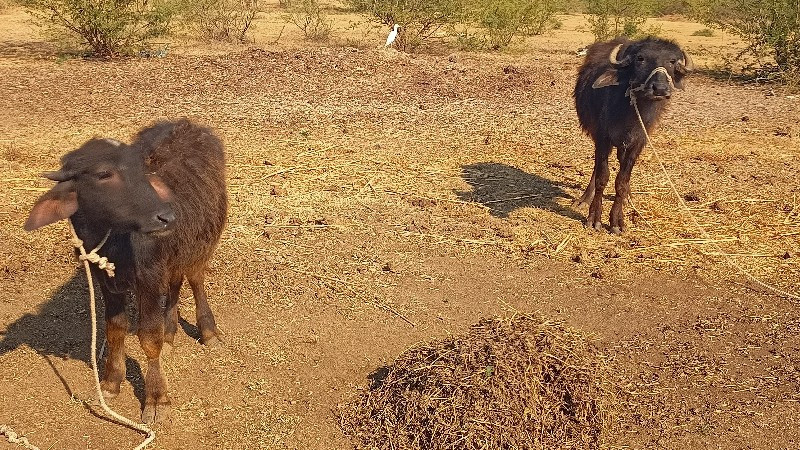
pixel 109 390
pixel 213 341
pixel 108 395
pixel 594 225
pixel 155 412
pixel 618 230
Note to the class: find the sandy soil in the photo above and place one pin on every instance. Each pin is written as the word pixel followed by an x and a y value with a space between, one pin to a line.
pixel 382 199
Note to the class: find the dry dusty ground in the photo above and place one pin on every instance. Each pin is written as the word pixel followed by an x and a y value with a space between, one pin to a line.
pixel 381 199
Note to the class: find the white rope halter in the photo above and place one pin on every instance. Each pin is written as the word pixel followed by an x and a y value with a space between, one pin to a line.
pixel 631 92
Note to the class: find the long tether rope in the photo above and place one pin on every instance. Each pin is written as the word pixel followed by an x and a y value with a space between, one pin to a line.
pixel 632 93
pixel 103 263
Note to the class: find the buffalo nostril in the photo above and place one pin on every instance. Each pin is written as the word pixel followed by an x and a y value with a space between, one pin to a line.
pixel 166 217
pixel 661 90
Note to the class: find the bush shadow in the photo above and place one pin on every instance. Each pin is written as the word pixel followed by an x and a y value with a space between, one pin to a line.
pixel 504 189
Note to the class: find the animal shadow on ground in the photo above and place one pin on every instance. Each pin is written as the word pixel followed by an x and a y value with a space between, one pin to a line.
pixel 503 189
pixel 60 328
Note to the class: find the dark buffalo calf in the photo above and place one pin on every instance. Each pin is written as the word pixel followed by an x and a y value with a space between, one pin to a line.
pixel 611 75
pixel 164 201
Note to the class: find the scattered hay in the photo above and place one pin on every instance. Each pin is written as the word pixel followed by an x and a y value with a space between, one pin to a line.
pixel 514 384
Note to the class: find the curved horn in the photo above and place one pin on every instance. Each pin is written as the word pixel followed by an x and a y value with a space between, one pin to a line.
pixel 685 64
pixel 612 57
pixel 58 175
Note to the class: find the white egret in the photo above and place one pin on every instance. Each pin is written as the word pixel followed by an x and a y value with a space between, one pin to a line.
pixel 392 36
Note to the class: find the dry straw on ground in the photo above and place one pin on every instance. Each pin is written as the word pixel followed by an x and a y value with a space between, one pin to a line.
pixel 520 383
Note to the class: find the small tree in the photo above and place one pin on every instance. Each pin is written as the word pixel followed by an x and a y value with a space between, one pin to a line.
pixel 312 20
pixel 108 28
pixel 771 28
pixel 419 19
pixel 221 20
pixel 611 18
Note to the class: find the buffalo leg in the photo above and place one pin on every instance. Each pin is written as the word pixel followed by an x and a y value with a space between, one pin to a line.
pixel 209 335
pixel 116 330
pixel 601 151
pixel 622 185
pixel 171 314
pixel 151 338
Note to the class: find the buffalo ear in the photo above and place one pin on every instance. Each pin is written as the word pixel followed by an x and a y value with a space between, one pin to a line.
pixel 58 203
pixel 608 78
pixel 163 192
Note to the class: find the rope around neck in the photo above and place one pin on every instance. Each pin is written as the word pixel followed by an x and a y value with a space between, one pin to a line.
pixel 92 257
pixel 109 268
pixel 688 212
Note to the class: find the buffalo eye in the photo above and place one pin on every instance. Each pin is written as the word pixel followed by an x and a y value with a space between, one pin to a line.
pixel 673 61
pixel 104 175
pixel 640 58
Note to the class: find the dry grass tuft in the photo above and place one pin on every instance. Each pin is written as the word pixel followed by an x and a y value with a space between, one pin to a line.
pixel 518 383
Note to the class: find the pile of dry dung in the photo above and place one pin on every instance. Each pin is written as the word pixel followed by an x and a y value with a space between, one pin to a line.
pixel 519 383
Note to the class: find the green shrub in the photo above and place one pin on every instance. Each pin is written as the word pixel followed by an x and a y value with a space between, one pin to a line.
pixel 107 28
pixel 705 32
pixel 220 20
pixel 500 21
pixel 312 20
pixel 771 28
pixel 671 7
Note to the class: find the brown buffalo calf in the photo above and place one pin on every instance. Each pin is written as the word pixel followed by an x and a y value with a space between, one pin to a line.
pixel 163 201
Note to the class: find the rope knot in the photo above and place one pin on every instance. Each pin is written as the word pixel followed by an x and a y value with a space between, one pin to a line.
pixel 92 256
pixel 101 261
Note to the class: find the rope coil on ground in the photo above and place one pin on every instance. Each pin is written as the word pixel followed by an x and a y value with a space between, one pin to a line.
pixel 109 268
pixel 688 212
pixel 14 438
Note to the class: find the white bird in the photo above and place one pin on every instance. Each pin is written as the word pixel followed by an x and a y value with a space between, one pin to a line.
pixel 392 36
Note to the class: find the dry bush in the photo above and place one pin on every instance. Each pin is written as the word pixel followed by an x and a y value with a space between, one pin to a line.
pixel 771 29
pixel 221 20
pixel 419 19
pixel 309 16
pixel 519 383
pixel 611 18
pixel 108 28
